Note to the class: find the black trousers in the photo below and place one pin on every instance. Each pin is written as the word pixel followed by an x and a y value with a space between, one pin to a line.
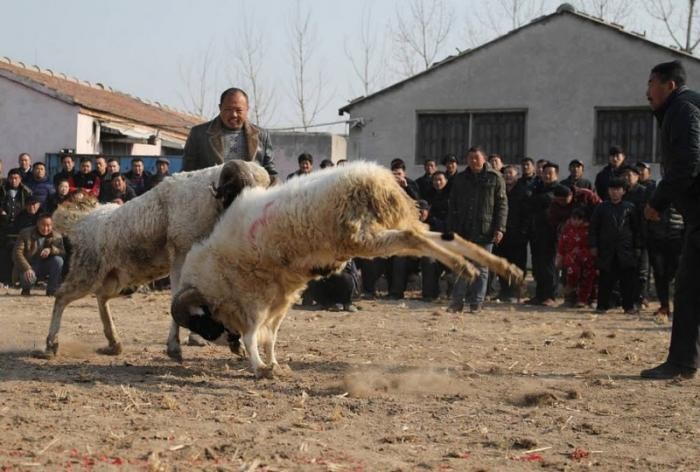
pixel 627 276
pixel 643 276
pixel 685 335
pixel 544 251
pixel 664 257
pixel 431 271
pixel 336 288
pixel 515 252
pixel 401 268
pixel 372 270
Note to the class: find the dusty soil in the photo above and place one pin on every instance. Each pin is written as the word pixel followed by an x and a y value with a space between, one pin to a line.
pixel 397 386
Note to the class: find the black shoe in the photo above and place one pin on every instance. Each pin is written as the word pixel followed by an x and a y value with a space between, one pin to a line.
pixel 475 307
pixel 25 292
pixel 668 370
pixel 455 308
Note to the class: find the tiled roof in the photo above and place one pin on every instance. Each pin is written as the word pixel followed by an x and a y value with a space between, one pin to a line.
pixel 100 98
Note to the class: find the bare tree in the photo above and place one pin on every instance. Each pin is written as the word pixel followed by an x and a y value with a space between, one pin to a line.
pixel 196 77
pixel 501 16
pixel 363 53
pixel 616 11
pixel 308 84
pixel 676 20
pixel 250 50
pixel 422 28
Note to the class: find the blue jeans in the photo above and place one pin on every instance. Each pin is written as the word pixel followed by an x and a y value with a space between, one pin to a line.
pixel 476 292
pixel 52 267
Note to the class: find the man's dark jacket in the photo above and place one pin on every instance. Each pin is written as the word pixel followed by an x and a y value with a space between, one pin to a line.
pixel 615 231
pixel 578 183
pixel 518 221
pixel 12 207
pixel 205 146
pixel 478 205
pixel 425 186
pixel 679 119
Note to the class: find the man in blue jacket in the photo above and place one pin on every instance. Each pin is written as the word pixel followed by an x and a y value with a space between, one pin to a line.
pixel 677 110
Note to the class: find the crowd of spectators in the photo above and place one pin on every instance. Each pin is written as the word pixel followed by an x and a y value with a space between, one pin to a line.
pixel 28 199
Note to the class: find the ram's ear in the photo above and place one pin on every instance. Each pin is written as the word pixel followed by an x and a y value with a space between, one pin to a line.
pixel 234 177
pixel 182 304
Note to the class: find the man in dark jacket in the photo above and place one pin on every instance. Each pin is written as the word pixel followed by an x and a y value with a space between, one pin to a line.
pixel 645 176
pixel 39 183
pixel 638 194
pixel 575 178
pixel 478 211
pixel 138 177
pixel 514 244
pixel 616 157
pixel 228 136
pixel 67 172
pixel 614 237
pixel 425 181
pixel 677 110
pixel 544 239
pixel 13 197
pixel 39 253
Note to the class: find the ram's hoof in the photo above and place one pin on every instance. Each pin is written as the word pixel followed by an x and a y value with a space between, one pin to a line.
pixel 282 370
pixel 111 350
pixel 175 353
pixel 265 373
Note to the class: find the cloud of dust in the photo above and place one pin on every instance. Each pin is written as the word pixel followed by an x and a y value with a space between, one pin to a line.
pixel 370 382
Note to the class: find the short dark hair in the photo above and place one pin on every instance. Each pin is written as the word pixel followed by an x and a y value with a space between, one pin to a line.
pixel 527 159
pixel 136 159
pixel 495 155
pixel 117 175
pixel 327 163
pixel 510 166
pixel 397 164
pixel 113 159
pixel 673 70
pixel 43 216
pixel 429 159
pixel 63 156
pixel 552 165
pixel 86 159
pixel 39 163
pixel 476 149
pixel 99 156
pixel 305 156
pixel 14 171
pixel 438 172
pixel 615 149
pixel 617 183
pixel 232 91
pixel 542 161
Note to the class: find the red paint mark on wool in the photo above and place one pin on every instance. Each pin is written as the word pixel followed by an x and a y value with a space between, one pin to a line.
pixel 259 223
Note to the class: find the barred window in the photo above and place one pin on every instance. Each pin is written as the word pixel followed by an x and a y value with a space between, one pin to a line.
pixel 631 128
pixel 442 134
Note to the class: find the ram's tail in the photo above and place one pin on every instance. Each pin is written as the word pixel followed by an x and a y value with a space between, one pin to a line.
pixel 71 211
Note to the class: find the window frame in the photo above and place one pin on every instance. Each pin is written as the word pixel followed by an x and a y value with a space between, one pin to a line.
pixel 600 151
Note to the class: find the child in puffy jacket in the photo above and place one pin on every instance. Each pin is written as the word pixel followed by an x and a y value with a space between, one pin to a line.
pixel 575 258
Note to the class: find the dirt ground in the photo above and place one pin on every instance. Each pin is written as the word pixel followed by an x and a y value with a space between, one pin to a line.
pixel 400 385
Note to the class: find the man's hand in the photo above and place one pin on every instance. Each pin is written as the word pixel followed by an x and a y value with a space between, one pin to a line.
pixel 497 237
pixel 46 252
pixel 401 181
pixel 651 214
pixel 29 276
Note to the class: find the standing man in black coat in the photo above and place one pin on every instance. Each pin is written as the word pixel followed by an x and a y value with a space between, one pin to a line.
pixel 425 181
pixel 576 178
pixel 677 110
pixel 616 157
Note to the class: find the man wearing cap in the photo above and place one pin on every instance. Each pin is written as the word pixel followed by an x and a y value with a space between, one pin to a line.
pixel 162 171
pixel 645 176
pixel 228 136
pixel 27 217
pixel 575 178
pixel 677 110
pixel 615 160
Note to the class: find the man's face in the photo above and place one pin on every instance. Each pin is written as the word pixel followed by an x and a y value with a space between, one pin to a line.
pixel 233 111
pixel 644 174
pixel 658 91
pixel 496 163
pixel 429 167
pixel 100 165
pixel 44 226
pixel 616 193
pixel 399 174
pixel 85 167
pixel 63 188
pixel 576 171
pixel 25 162
pixel 162 167
pixel 137 167
pixel 528 169
pixel 439 182
pixel 632 178
pixel 451 167
pixel 564 201
pixel 119 184
pixel 423 214
pixel 68 163
pixel 540 168
pixel 476 161
pixel 14 180
pixel 113 166
pixel 510 175
pixel 39 172
pixel 549 175
pixel 305 167
pixel 616 160
pixel 33 208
